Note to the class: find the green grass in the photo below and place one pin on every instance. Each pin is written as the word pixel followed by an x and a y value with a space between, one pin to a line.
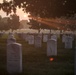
pixel 35 60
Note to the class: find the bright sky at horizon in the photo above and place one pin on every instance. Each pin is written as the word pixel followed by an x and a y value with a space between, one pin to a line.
pixel 20 13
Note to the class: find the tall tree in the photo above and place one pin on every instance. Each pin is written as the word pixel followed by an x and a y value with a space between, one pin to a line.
pixel 11 22
pixel 14 21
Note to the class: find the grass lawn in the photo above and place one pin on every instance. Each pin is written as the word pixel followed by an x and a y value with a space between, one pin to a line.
pixel 35 60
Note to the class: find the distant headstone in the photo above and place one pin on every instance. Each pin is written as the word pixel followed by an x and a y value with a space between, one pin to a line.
pixel 31 39
pixel 68 42
pixel 27 37
pixel 11 36
pixel 52 47
pixel 10 40
pixel 54 37
pixel 14 58
pixel 40 35
pixel 45 38
pixel 64 38
pixel 24 36
pixel 72 35
pixel 38 41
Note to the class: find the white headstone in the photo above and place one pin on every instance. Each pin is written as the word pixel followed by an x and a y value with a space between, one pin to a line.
pixel 72 35
pixel 68 42
pixel 9 41
pixel 31 39
pixel 64 38
pixel 52 47
pixel 24 36
pixel 14 58
pixel 54 37
pixel 38 41
pixel 11 36
pixel 27 37
pixel 40 35
pixel 45 38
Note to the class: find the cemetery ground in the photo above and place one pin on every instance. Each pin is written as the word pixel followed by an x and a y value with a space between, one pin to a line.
pixel 35 60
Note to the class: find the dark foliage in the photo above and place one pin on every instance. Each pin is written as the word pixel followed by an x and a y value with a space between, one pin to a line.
pixel 42 8
pixel 11 22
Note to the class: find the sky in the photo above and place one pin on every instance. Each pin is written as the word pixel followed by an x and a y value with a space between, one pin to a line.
pixel 20 13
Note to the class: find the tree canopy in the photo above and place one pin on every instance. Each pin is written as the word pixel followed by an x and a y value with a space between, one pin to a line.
pixel 11 22
pixel 42 8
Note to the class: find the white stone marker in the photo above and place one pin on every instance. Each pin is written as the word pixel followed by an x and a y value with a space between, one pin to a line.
pixel 40 35
pixel 52 47
pixel 45 38
pixel 24 36
pixel 27 37
pixel 14 58
pixel 64 38
pixel 54 37
pixel 31 39
pixel 10 37
pixel 68 42
pixel 38 41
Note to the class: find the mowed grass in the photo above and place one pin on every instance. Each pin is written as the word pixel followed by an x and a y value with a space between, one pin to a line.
pixel 35 60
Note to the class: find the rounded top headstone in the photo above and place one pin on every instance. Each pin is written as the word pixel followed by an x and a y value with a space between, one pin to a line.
pixel 12 39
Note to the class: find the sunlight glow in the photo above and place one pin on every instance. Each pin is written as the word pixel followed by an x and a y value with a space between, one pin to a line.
pixel 8 0
pixel 22 15
pixel 26 16
pixel 1 1
pixel 44 21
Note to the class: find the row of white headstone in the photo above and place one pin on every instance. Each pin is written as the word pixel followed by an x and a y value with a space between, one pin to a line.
pixel 68 41
pixel 37 41
pixel 14 50
pixel 31 38
pixel 51 41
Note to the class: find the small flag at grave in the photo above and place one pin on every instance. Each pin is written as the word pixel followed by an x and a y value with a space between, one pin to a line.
pixel 51 59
